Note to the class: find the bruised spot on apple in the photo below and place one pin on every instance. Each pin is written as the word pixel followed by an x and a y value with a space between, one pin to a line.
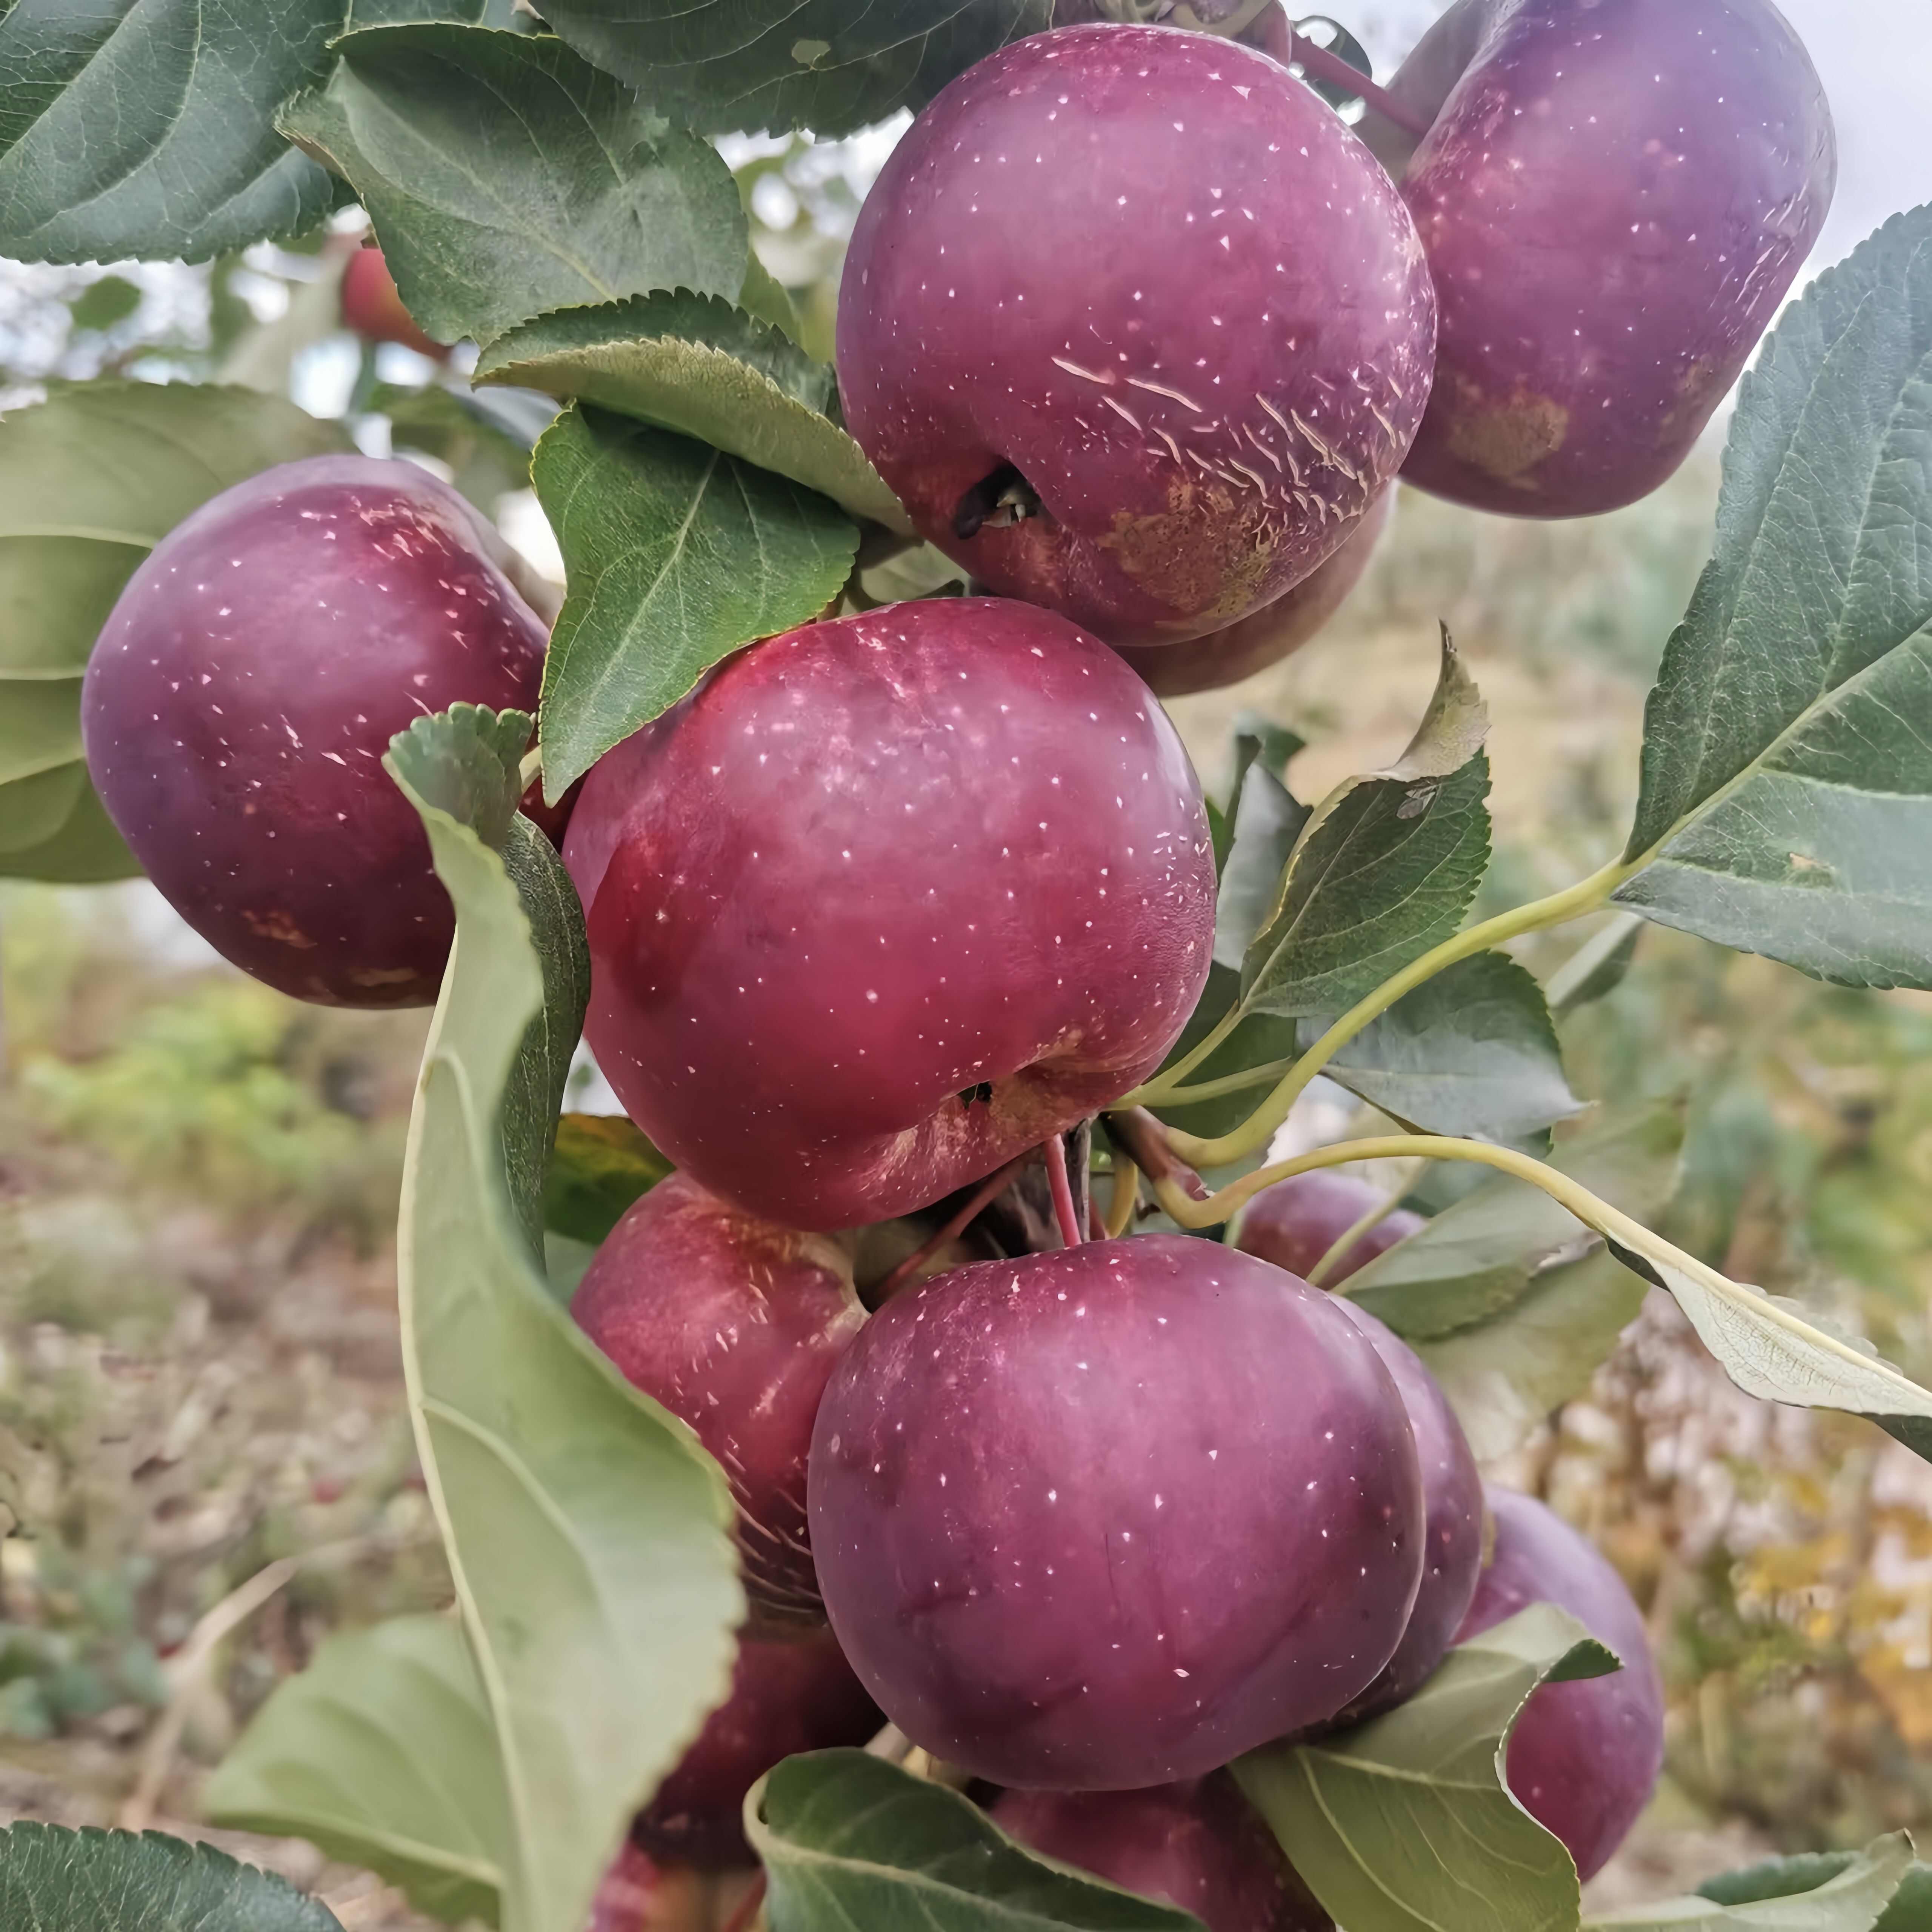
pixel 1071 1537
pixel 1136 327
pixel 1274 631
pixel 1614 196
pixel 240 698
pixel 888 900
pixel 1199 1845
pixel 1584 1757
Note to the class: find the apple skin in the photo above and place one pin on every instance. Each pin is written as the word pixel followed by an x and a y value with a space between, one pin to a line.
pixel 371 306
pixel 1071 1536
pixel 786 1697
pixel 1294 1222
pixel 1584 1757
pixel 1268 635
pixel 870 865
pixel 1452 1509
pixel 1615 195
pixel 733 1324
pixel 1151 271
pixel 1199 1845
pixel 245 688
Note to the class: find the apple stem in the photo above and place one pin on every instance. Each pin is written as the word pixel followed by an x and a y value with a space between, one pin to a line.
pixel 1144 1138
pixel 982 1197
pixel 1063 1209
pixel 748 1907
pixel 1320 63
pixel 1126 1196
pixel 1331 1255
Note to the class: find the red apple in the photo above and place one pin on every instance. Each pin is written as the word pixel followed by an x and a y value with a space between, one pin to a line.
pixel 786 1697
pixel 1108 1516
pixel 889 900
pixel 244 689
pixel 1199 1846
pixel 1295 1222
pixel 1584 1757
pixel 1136 327
pixel 1615 195
pixel 734 1324
pixel 371 306
pixel 1274 631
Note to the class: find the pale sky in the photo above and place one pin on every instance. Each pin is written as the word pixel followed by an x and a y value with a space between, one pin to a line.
pixel 1875 57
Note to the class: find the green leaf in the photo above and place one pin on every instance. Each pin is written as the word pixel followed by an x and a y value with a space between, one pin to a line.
pixel 600 1165
pixel 506 178
pixel 1385 867
pixel 848 1840
pixel 1854 1897
pixel 695 364
pixel 85 849
pixel 586 1533
pixel 40 725
pixel 1471 1052
pixel 33 809
pixel 1475 1259
pixel 677 554
pixel 1504 1376
pixel 823 64
pixel 101 304
pixel 383 1753
pixel 1404 1824
pixel 55 1880
pixel 1786 800
pixel 1597 967
pixel 1265 819
pixel 1910 1909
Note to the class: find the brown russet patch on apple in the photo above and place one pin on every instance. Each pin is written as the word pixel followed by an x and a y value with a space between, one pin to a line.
pixel 279 926
pixel 1208 553
pixel 1504 440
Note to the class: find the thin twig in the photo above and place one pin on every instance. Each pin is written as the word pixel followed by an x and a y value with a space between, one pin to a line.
pixel 1063 1209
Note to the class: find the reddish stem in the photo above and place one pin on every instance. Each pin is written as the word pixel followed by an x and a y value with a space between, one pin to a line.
pixel 1322 64
pixel 976 1203
pixel 1063 1209
pixel 740 1920
pixel 1145 1140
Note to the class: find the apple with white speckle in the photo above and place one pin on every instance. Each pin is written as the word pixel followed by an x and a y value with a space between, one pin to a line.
pixel 887 901
pixel 241 696
pixel 1136 327
pixel 1615 195
pixel 1106 1517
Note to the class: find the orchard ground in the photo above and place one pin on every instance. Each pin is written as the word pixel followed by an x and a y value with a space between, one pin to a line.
pixel 197 1183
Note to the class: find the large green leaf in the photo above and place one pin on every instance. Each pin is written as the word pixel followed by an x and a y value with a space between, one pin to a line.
pixel 1855 1896
pixel 382 1752
pixel 55 1880
pixel 507 178
pixel 32 810
pixel 1471 1052
pixel 719 66
pixel 91 480
pixel 1404 1824
pixel 1385 868
pixel 586 1533
pixel 1910 1909
pixel 600 1164
pixel 1474 1260
pixel 696 363
pixel 848 1840
pixel 677 554
pixel 1786 803
pixel 1504 1375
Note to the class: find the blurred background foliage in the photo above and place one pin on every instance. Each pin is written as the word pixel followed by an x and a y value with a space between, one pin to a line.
pixel 205 1463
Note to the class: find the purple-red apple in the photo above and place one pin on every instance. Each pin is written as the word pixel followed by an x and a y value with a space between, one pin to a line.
pixel 734 1324
pixel 1295 1222
pixel 795 1696
pixel 371 306
pixel 1200 1846
pixel 1136 327
pixel 1584 1757
pixel 888 900
pixel 1108 1516
pixel 241 696
pixel 1270 633
pixel 1615 195
pixel 1452 1513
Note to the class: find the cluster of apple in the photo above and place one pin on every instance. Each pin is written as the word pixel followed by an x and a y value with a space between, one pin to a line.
pixel 1141 334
